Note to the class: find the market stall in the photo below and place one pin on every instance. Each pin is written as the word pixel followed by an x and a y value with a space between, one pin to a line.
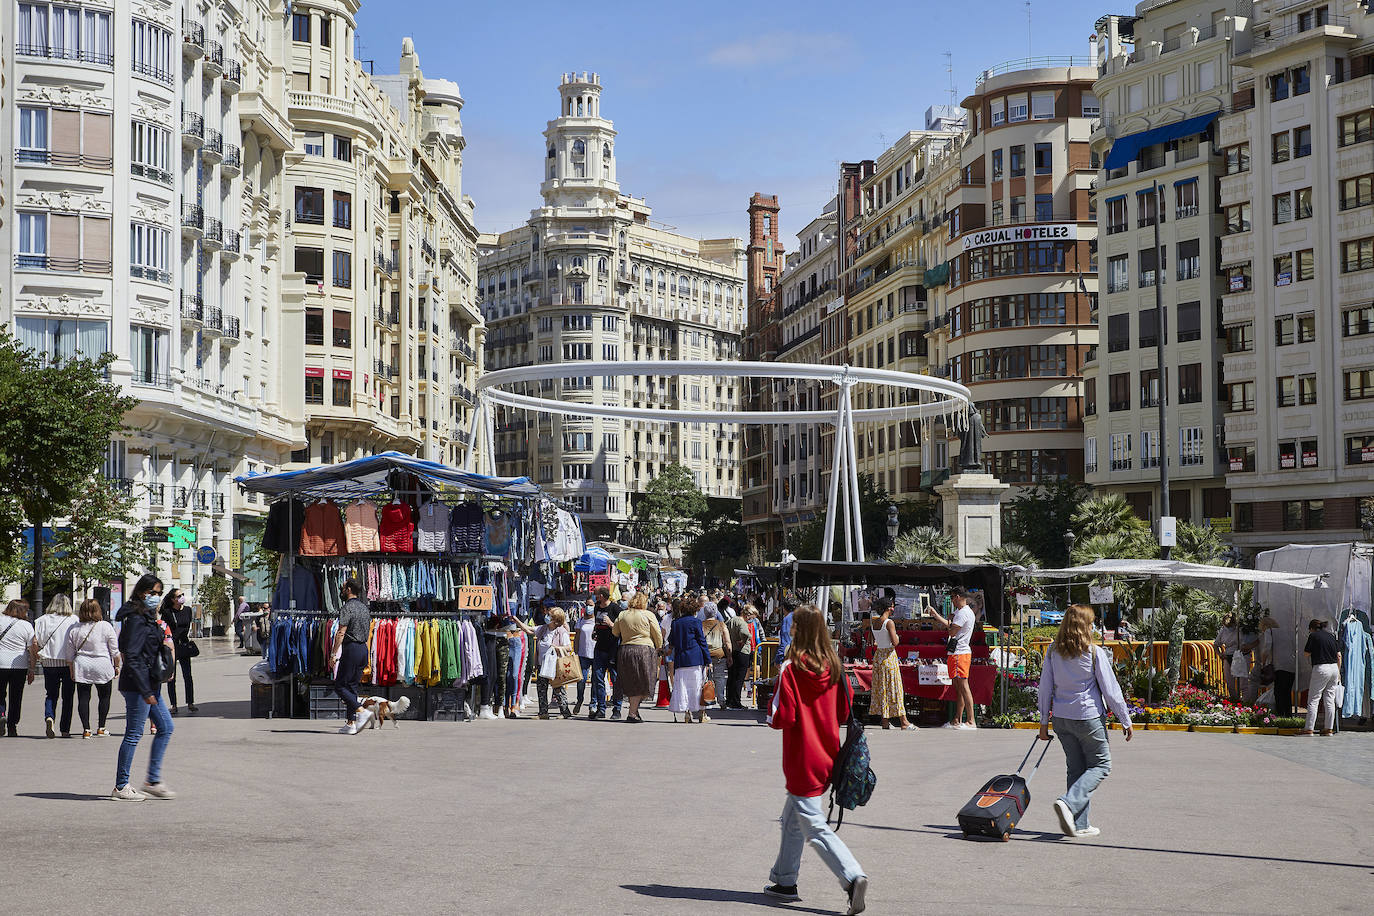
pixel 438 551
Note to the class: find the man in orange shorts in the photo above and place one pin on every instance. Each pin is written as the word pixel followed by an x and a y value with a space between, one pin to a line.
pixel 960 626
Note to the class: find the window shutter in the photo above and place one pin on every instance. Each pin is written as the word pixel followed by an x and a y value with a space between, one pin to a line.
pixel 98 141
pixel 66 132
pixel 64 234
pixel 95 243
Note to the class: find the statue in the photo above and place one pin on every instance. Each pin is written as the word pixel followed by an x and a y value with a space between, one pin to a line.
pixel 971 442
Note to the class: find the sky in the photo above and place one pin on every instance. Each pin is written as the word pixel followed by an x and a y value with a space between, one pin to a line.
pixel 711 100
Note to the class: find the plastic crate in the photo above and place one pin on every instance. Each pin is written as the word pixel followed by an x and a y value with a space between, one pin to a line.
pixel 325 704
pixel 267 701
pixel 418 695
pixel 446 704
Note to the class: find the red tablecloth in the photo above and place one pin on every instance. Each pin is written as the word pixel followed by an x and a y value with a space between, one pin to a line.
pixel 982 679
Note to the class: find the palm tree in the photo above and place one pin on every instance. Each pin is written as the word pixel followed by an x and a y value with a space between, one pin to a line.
pixel 1108 514
pixel 924 545
pixel 1011 555
pixel 1200 545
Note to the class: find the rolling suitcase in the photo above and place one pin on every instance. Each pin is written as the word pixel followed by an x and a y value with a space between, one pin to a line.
pixel 997 807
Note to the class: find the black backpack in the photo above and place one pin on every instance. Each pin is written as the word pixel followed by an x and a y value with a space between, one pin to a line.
pixel 852 781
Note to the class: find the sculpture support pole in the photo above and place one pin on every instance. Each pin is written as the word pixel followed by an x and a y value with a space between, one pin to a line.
pixel 832 501
pixel 470 456
pixel 489 435
pixel 853 469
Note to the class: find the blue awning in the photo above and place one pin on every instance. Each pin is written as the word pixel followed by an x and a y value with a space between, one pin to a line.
pixel 1125 149
pixel 366 476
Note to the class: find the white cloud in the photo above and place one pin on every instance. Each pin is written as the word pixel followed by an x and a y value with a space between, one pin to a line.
pixel 821 49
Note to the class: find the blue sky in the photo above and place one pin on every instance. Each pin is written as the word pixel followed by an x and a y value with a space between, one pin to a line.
pixel 711 100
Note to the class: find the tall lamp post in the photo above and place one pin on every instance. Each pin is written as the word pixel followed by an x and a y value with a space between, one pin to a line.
pixel 1069 539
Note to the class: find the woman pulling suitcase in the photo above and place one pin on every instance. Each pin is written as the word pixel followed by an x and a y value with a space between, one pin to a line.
pixel 1078 684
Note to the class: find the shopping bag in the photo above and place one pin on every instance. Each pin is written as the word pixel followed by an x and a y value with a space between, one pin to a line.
pixel 1240 665
pixel 549 666
pixel 933 675
pixel 1339 696
pixel 708 693
pixel 567 670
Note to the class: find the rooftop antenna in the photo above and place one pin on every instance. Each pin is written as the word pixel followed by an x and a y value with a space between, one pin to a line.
pixel 1029 44
pixel 949 69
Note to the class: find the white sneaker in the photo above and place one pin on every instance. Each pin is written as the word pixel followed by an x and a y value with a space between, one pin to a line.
pixel 364 717
pixel 128 793
pixel 951 725
pixel 158 790
pixel 1087 831
pixel 486 713
pixel 968 727
pixel 1061 810
pixel 349 728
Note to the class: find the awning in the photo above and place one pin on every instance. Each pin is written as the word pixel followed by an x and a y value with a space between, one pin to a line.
pixel 1197 574
pixel 228 573
pixel 368 475
pixel 1125 149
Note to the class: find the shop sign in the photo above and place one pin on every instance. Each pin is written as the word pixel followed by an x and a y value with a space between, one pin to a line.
pixel 598 580
pixel 1101 594
pixel 236 553
pixel 1220 525
pixel 343 373
pixel 311 372
pixel 475 598
pixel 1035 232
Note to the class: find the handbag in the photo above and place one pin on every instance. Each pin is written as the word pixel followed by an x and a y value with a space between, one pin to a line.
pixel 1240 665
pixel 188 647
pixel 549 666
pixel 567 670
pixel 1338 697
pixel 708 692
pixel 951 644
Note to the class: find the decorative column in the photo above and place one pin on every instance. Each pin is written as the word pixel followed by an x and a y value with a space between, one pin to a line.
pixel 973 512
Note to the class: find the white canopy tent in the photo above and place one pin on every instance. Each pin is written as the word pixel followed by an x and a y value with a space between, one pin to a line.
pixel 1348 569
pixel 1196 575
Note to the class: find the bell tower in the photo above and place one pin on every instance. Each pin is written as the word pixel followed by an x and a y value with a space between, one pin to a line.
pixel 579 161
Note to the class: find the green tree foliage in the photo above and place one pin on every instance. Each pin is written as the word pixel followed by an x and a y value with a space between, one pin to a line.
pixel 257 558
pixel 100 540
pixel 721 543
pixel 671 506
pixel 1009 554
pixel 56 424
pixel 806 541
pixel 214 597
pixel 1039 517
pixel 924 545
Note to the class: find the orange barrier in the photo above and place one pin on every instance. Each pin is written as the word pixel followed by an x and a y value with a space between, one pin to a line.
pixel 1198 655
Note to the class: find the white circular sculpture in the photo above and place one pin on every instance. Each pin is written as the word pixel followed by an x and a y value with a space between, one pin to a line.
pixel 936 398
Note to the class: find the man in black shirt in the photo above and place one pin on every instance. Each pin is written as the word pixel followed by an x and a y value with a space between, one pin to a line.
pixel 350 654
pixel 1326 675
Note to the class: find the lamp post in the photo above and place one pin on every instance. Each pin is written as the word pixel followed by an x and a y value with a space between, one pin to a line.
pixel 1069 539
pixel 892 526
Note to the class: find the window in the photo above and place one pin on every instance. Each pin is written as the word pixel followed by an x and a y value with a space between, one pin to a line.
pixel 310 261
pixel 577 472
pixel 1302 83
pixel 1279 147
pixel 1188 260
pixel 1359 449
pixel 1359 384
pixel 1118 273
pixel 33 240
pixel 343 391
pixel 151 51
pixel 546 353
pixel 1018 161
pixel 1357 255
pixel 33 135
pixel 1119 391
pixel 343 149
pixel 150 254
pixel 60 339
pixel 1278 86
pixel 1148 274
pixel 1358 320
pixel 1121 451
pixel 1286 391
pixel 1018 209
pixel 314 327
pixel 1044 158
pixel 1190 446
pixel 1284 331
pixel 1089 105
pixel 313 142
pixel 324 31
pixel 1149 448
pixel 314 387
pixel 300 26
pixel 343 210
pixel 1357 192
pixel 151 151
pixel 1304 515
pixel 1090 455
pixel 1049 361
pixel 64 32
pixel 1016 107
pixel 1241 396
pixel 1283 208
pixel 1149 328
pixel 310 206
pixel 343 329
pixel 577 323
pixel 1240 338
pixel 1237 158
pixel 1171 86
pixel 1118 333
pixel 1237 218
pixel 1240 458
pixel 1190 383
pixel 1302 142
pixel 1185 199
pixel 998 109
pixel 1149 388
pixel 1307 390
pixel 577 351
pixel 343 269
pixel 1042 105
pixel 1356 128
pixel 1117 216
pixel 610 323
pixel 997 165
pixel 1044 208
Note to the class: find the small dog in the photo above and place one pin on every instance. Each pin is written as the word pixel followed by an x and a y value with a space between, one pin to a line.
pixel 383 709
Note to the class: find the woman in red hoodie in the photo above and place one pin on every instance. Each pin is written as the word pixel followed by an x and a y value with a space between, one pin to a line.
pixel 809 703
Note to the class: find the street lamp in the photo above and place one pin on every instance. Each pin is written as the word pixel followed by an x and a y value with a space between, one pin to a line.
pixel 892 526
pixel 1069 539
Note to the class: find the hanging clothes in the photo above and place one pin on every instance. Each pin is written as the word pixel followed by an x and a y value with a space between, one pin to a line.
pixel 397 529
pixel 323 532
pixel 1357 655
pixel 361 532
pixel 300 586
pixel 465 528
pixel 432 536
pixel 497 530
pixel 282 530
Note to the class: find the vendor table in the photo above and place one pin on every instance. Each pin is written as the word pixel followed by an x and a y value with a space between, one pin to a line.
pixel 982 679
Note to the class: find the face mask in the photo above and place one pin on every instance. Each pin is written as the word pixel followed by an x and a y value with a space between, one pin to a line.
pixel 152 601
pixel 180 601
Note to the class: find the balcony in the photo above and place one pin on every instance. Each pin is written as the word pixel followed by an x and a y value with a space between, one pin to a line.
pixel 192 129
pixel 214 233
pixel 200 500
pixel 147 272
pixel 192 310
pixel 462 392
pixel 384 264
pixel 214 58
pixel 192 40
pixel 152 173
pixel 232 331
pixel 233 76
pixel 217 503
pixel 52 52
pixel 233 244
pixel 385 371
pixel 384 317
pixel 427 249
pixel 145 379
pixel 181 498
pixel 213 147
pixel 62 265
pixel 214 320
pixel 464 351
pixel 28 156
pixel 157 494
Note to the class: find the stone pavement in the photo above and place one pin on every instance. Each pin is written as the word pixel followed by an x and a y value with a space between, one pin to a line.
pixel 285 816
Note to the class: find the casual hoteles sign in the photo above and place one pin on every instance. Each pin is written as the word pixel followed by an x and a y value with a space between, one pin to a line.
pixel 1035 232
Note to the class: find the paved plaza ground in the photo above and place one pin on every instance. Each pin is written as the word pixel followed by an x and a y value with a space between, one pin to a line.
pixel 288 817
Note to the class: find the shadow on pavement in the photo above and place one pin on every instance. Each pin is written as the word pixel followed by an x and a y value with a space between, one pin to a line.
pixel 60 796
pixel 715 895
pixel 219 709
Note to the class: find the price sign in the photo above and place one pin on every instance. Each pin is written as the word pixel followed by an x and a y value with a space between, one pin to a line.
pixel 1101 594
pixel 475 597
pixel 598 580
pixel 236 553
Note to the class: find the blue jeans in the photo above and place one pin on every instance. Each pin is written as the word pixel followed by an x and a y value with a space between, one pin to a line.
pixel 586 664
pixel 1089 760
pixel 601 666
pixel 136 713
pixel 803 822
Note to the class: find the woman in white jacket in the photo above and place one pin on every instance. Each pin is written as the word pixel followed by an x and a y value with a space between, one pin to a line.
pixel 94 652
pixel 50 644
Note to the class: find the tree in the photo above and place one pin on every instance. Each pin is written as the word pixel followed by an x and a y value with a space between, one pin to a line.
pixel 57 423
pixel 722 543
pixel 924 545
pixel 257 558
pixel 100 540
pixel 806 540
pixel 671 505
pixel 213 596
pixel 1039 517
pixel 1009 554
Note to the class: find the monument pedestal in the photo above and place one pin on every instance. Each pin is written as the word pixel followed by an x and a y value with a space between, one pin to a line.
pixel 973 512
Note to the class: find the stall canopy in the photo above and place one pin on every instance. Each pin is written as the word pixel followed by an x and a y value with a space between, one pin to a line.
pixel 366 476
pixel 815 573
pixel 595 560
pixel 1348 572
pixel 1196 574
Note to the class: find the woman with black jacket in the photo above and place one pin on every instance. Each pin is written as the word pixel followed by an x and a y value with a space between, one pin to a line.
pixel 177 616
pixel 141 639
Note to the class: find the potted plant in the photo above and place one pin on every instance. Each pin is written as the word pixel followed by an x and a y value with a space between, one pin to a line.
pixel 213 595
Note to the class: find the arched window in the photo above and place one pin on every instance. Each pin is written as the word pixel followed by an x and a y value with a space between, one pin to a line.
pixel 579 148
pixel 622 238
pixel 576 263
pixel 634 270
pixel 717 291
pixel 662 280
pixel 605 160
pixel 684 286
pixel 648 278
pixel 579 106
pixel 579 158
pixel 603 266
